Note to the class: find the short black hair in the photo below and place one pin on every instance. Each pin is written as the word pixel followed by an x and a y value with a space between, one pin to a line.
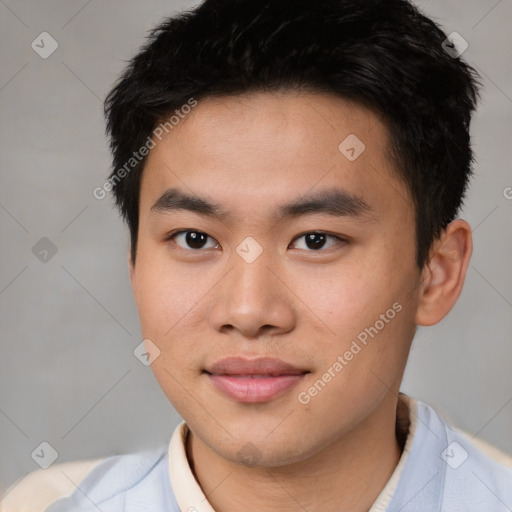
pixel 382 54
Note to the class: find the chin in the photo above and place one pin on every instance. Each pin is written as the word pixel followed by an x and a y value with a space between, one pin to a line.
pixel 252 454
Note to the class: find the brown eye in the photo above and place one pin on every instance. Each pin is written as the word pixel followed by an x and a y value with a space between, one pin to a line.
pixel 315 241
pixel 194 240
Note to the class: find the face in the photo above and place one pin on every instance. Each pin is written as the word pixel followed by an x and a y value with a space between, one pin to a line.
pixel 266 231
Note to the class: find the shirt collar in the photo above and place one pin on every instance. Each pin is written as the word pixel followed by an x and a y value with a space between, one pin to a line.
pixel 190 496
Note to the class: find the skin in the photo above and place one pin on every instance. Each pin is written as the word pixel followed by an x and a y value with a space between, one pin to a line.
pixel 250 154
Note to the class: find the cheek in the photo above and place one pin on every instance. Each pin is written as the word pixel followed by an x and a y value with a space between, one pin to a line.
pixel 365 312
pixel 171 307
pixel 347 299
pixel 166 300
pixel 163 295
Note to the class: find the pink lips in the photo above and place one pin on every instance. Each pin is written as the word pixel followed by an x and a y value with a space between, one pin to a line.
pixel 254 381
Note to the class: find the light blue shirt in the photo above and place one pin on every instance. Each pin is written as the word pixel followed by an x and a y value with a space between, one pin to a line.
pixel 443 472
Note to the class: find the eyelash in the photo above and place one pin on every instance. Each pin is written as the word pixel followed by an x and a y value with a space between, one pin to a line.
pixel 339 239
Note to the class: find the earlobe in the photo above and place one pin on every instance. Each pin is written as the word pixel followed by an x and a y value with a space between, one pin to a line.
pixel 443 277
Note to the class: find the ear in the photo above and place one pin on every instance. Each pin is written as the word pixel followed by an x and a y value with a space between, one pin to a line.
pixel 443 276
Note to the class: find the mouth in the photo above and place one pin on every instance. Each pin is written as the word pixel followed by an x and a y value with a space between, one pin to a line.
pixel 254 381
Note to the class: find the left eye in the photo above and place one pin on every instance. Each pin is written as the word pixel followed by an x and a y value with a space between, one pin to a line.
pixel 316 241
pixel 194 240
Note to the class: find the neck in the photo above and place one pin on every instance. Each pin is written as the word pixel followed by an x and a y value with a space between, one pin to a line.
pixel 348 474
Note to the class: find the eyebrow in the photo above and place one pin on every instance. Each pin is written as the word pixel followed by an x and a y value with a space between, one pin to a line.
pixel 332 201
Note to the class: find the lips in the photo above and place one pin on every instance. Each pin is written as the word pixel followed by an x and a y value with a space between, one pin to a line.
pixel 254 381
pixel 265 366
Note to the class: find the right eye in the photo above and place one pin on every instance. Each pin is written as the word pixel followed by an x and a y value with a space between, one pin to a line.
pixel 193 240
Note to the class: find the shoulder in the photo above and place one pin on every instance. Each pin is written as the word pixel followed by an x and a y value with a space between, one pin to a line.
pixel 475 473
pixel 72 486
pixel 493 453
pixel 37 490
pixel 475 467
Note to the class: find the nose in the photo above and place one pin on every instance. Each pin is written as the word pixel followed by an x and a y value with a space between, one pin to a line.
pixel 253 300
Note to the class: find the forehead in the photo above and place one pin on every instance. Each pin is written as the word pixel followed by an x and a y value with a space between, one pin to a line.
pixel 256 148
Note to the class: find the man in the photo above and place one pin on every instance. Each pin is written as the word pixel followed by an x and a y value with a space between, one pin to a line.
pixel 291 173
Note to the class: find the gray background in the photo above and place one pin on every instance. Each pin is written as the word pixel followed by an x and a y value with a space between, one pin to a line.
pixel 69 326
